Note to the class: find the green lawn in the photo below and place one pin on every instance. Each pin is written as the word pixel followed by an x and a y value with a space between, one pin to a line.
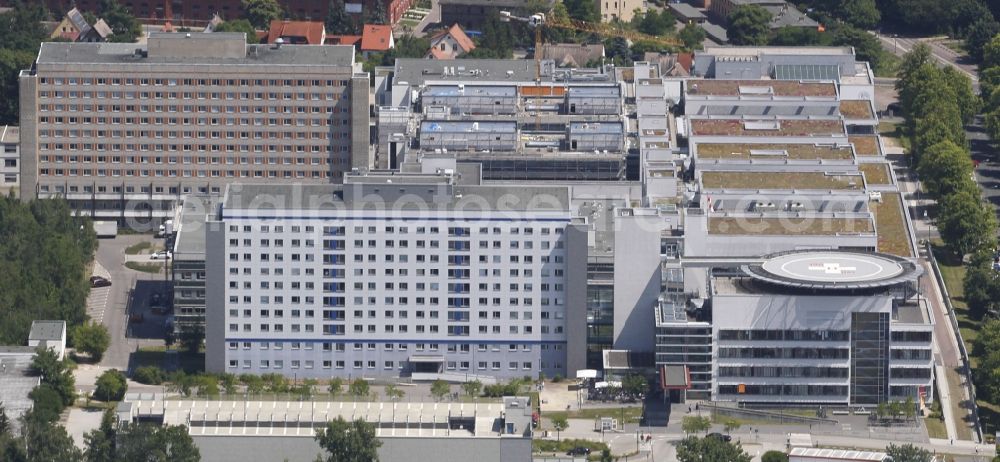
pixel 935 428
pixel 134 249
pixel 632 414
pixel 144 267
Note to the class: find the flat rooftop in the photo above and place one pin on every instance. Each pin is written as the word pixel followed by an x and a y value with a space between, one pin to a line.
pixel 876 173
pixel 471 90
pixel 777 127
pixel 595 127
pixel 451 126
pixel 780 180
pixel 856 109
pixel 16 383
pixel 124 53
pixel 416 71
pixel 893 237
pixel 47 330
pixel 594 91
pixel 789 226
pixel 770 151
pixel 257 418
pixel 865 145
pixel 758 88
pixel 395 196
pixel 190 240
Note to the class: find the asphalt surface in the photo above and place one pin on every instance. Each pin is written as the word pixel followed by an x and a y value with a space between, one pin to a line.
pixel 120 299
pixel 944 55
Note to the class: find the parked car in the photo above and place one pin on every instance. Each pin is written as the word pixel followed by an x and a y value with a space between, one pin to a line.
pixel 579 451
pixel 161 255
pixel 719 436
pixel 97 281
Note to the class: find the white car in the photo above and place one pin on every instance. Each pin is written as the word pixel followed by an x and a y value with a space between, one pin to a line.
pixel 160 255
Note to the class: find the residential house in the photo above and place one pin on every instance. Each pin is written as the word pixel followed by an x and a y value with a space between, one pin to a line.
pixel 74 27
pixel 671 64
pixel 622 10
pixel 450 43
pixel 297 32
pixel 573 54
pixel 376 39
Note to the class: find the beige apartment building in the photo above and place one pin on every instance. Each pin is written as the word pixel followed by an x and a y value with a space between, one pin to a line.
pixel 623 10
pixel 124 131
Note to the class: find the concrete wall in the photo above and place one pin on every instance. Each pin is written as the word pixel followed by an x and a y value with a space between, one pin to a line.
pixel 27 86
pixel 576 299
pixel 215 298
pixel 360 154
pixel 637 281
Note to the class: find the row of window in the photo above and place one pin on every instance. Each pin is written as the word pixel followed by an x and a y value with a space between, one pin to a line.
pixel 339 329
pixel 145 81
pixel 129 173
pixel 342 347
pixel 201 160
pixel 358 364
pixel 321 134
pixel 191 95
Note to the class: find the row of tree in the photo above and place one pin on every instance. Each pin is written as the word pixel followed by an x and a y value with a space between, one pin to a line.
pixel 937 103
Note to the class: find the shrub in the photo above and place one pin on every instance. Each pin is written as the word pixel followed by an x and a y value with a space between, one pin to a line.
pixel 111 386
pixel 149 375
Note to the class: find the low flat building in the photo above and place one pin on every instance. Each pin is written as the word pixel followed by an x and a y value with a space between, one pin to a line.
pixel 48 334
pixel 236 431
pixel 783 14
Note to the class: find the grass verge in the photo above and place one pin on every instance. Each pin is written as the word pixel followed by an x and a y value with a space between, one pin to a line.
pixel 144 267
pixel 630 414
pixel 935 428
pixel 561 447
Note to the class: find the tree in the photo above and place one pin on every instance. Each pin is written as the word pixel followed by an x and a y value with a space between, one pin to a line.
pixel 749 25
pixel 981 288
pixel 439 389
pixel 55 374
pixel 559 422
pixel 584 10
pixel 795 36
pixel 987 348
pixel 260 13
pixel 774 456
pixel 124 27
pixel 336 386
pixel 654 22
pixel 338 21
pixel 965 223
pixel 635 386
pixel 693 449
pixel 606 455
pixel 908 453
pixel 111 386
pixel 695 424
pixel 472 388
pixel 192 339
pixel 254 384
pixel 960 83
pixel 349 441
pixel 91 338
pixel 393 392
pixel 979 34
pixel 943 167
pixel 239 25
pixel 155 443
pixel 46 403
pixel 863 14
pixel 359 388
pixel 913 61
pixel 693 36
pixel 100 442
pixel 866 47
pixel 47 442
pixel 732 425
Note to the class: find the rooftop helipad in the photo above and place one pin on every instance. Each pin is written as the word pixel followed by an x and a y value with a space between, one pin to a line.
pixel 828 269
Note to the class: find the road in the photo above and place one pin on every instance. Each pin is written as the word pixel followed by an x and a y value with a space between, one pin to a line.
pixel 111 256
pixel 944 55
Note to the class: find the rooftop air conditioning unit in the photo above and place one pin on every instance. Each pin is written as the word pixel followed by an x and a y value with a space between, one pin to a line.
pixel 875 196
